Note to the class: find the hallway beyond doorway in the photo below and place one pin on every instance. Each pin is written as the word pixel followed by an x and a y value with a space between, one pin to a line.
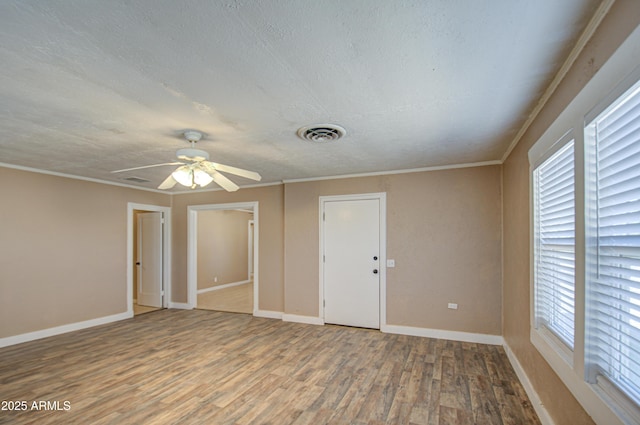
pixel 235 299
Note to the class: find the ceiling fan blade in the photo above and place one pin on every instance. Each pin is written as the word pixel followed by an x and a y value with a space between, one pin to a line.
pixel 168 183
pixel 147 166
pixel 237 171
pixel 223 182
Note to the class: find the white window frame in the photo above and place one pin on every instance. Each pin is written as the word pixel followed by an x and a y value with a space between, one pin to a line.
pixel 611 81
pixel 601 384
pixel 543 336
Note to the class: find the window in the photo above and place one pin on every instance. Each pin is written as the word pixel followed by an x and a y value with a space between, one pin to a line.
pixel 613 247
pixel 585 242
pixel 554 244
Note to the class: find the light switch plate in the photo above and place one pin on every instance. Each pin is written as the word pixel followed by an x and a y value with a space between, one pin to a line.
pixel 391 263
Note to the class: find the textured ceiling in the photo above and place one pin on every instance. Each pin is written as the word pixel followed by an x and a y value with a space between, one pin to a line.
pixel 91 86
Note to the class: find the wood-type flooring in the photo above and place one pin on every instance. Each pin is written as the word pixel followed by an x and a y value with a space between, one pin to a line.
pixel 235 299
pixel 205 367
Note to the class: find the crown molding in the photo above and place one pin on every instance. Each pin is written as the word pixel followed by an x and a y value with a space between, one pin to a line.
pixel 405 171
pixel 74 177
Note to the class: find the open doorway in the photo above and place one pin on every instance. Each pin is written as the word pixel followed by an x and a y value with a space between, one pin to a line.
pixel 223 257
pixel 147 258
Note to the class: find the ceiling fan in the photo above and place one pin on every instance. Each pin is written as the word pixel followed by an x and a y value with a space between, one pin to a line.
pixel 196 169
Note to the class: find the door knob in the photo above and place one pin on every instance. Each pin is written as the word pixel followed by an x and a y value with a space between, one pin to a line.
pixel 137 263
pixel 375 271
pixel 375 257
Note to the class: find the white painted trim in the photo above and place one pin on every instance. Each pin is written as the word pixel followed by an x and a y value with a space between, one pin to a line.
pixel 382 202
pixel 226 285
pixel 444 334
pixel 45 333
pixel 384 173
pixel 541 411
pixel 268 314
pixel 74 177
pixel 192 246
pixel 256 256
pixel 589 30
pixel 166 251
pixel 250 244
pixel 310 320
pixel 180 306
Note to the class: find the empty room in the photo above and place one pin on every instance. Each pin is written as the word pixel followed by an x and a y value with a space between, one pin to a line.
pixel 320 212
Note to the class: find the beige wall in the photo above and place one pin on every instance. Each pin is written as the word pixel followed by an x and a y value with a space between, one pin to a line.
pixel 271 239
pixel 444 232
pixel 62 250
pixel 223 247
pixel 563 408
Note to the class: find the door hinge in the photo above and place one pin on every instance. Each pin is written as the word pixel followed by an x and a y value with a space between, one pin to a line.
pixel 323 216
pixel 162 221
pixel 162 293
pixel 323 259
pixel 324 303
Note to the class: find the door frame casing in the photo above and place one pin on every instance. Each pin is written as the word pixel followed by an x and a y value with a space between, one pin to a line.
pixel 382 199
pixel 192 247
pixel 166 251
pixel 250 247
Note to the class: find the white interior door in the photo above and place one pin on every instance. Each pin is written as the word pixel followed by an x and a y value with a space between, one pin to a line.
pixel 351 231
pixel 149 261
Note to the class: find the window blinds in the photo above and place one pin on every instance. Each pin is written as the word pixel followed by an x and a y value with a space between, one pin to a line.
pixel 614 256
pixel 554 228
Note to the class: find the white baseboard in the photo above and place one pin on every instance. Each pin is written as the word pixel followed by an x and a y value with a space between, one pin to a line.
pixel 442 334
pixel 180 306
pixel 310 320
pixel 226 285
pixel 45 333
pixel 542 412
pixel 268 314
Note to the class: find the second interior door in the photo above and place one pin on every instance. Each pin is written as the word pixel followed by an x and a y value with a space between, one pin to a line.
pixel 149 263
pixel 351 231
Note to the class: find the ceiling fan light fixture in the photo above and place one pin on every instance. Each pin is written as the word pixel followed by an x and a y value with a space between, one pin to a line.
pixel 190 176
pixel 183 175
pixel 201 178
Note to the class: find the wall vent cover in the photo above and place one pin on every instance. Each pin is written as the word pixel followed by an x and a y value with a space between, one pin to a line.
pixel 321 133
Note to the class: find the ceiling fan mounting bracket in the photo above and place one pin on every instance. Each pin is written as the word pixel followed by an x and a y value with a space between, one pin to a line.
pixel 192 154
pixel 192 136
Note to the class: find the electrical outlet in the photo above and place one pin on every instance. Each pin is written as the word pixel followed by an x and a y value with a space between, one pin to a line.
pixel 215 279
pixel 452 306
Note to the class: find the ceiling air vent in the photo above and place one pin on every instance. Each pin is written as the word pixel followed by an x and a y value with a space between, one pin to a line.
pixel 136 180
pixel 321 133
